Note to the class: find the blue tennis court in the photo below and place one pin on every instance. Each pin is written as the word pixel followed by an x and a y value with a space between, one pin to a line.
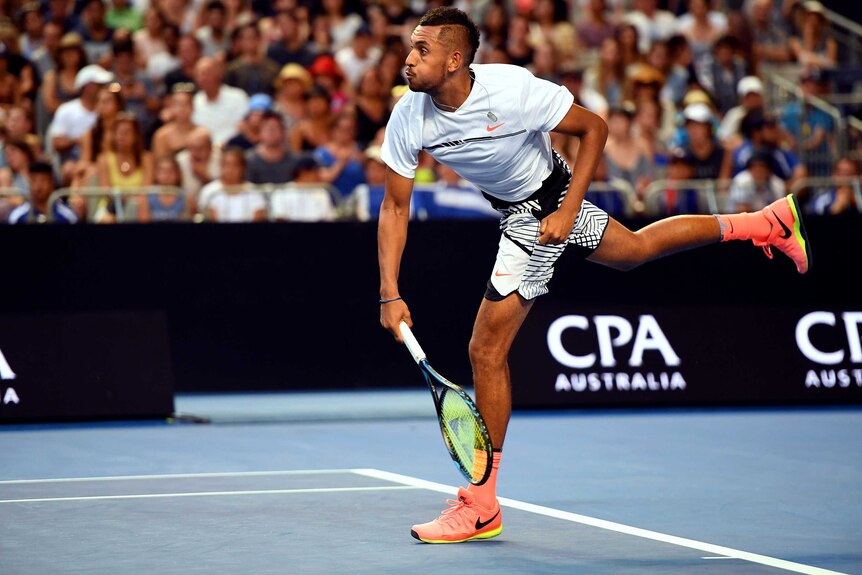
pixel 332 482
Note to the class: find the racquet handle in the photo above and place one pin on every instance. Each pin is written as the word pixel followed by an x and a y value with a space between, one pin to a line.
pixel 411 343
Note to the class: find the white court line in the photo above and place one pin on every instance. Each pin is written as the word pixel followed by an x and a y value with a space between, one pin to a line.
pixel 208 494
pixel 725 552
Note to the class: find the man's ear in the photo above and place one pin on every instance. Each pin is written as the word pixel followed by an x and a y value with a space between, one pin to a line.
pixel 456 59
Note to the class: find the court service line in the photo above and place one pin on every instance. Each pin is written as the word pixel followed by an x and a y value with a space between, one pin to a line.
pixel 726 552
pixel 179 476
pixel 209 494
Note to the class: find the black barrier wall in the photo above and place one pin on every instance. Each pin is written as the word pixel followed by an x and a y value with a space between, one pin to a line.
pixel 293 306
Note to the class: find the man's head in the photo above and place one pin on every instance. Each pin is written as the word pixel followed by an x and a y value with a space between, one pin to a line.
pixel 444 42
pixel 41 181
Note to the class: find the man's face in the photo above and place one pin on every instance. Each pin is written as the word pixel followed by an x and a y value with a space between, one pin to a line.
pixel 41 186
pixel 427 59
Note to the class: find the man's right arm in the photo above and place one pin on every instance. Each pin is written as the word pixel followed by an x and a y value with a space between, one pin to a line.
pixel 391 239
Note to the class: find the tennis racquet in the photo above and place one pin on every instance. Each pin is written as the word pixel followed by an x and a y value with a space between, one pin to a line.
pixel 464 431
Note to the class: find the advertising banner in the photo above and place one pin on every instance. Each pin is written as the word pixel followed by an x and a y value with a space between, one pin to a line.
pixel 86 365
pixel 577 356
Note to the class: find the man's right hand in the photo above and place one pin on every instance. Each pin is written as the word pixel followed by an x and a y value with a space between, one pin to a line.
pixel 391 316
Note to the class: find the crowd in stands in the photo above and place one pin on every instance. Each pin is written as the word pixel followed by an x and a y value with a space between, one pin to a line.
pixel 242 110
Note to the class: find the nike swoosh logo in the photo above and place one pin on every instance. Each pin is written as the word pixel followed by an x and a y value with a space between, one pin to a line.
pixel 784 227
pixel 499 275
pixel 480 524
pixel 492 128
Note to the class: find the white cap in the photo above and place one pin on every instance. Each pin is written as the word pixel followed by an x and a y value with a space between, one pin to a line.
pixel 749 85
pixel 698 113
pixel 92 74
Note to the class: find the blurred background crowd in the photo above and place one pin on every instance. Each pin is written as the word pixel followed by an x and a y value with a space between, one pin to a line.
pixel 257 110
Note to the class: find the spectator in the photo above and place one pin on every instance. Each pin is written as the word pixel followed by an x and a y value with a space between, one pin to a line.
pixel 125 165
pixel 722 72
pixel 814 47
pixel 518 46
pixel 653 24
pixel 31 21
pixel 594 26
pixel 95 32
pixel 17 65
pixel 231 198
pixel 139 92
pixel 43 57
pixel 148 40
pixel 161 63
pixel 122 14
pixel 842 198
pixel 213 34
pixel 200 164
pixel 681 71
pixel 607 75
pixel 249 129
pixel 702 27
pixel 760 132
pixel 251 70
pixel 340 157
pixel 293 47
pixel 713 162
pixel 391 66
pixel 677 197
pixel 308 200
pixel 493 29
pixel 58 85
pixel 270 161
pixel 628 39
pixel 359 56
pixel 769 35
pixel 312 130
pixel 19 124
pixel 364 202
pixel 173 136
pixel 63 12
pixel 325 72
pixel 10 87
pixel 452 197
pixel 19 158
pixel 371 104
pixel 75 118
pixel 606 194
pixel 646 129
pixel 36 210
pixel 188 54
pixel 341 23
pixel 810 129
pixel 625 159
pixel 550 26
pixel 109 103
pixel 749 92
pixel 170 205
pixel 756 186
pixel 585 96
pixel 291 90
pixel 217 107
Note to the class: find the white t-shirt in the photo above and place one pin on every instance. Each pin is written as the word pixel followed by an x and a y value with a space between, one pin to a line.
pixel 497 140
pixel 72 120
pixel 222 115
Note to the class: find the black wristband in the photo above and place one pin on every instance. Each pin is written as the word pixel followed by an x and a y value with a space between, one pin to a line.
pixel 382 301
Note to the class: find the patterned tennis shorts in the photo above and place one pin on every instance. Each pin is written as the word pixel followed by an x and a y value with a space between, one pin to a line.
pixel 523 264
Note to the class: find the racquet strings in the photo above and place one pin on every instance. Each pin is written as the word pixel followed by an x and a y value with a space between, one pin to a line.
pixel 464 437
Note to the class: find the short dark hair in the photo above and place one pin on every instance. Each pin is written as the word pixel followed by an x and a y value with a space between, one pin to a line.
pixel 42 167
pixel 446 16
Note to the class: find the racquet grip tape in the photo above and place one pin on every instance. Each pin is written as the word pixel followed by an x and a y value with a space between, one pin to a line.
pixel 411 343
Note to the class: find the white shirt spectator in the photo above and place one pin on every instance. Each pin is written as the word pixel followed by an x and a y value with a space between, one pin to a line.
pixel 222 115
pixel 744 191
pixel 72 120
pixel 234 207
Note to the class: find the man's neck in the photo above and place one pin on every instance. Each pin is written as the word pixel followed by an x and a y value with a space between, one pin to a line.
pixel 454 93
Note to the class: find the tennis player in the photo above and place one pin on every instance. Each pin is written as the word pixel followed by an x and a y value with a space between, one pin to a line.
pixel 490 123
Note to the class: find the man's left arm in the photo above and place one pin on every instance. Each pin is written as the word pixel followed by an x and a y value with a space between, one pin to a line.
pixel 593 133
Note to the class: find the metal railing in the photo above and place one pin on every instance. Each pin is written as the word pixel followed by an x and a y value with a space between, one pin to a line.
pixel 10 198
pixel 120 205
pixel 710 197
pixel 811 188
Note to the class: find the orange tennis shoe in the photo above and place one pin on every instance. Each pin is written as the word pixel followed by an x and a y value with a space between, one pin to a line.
pixel 464 520
pixel 787 233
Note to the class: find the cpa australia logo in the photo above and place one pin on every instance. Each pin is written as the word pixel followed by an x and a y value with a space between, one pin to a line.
pixel 5 371
pixel 10 396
